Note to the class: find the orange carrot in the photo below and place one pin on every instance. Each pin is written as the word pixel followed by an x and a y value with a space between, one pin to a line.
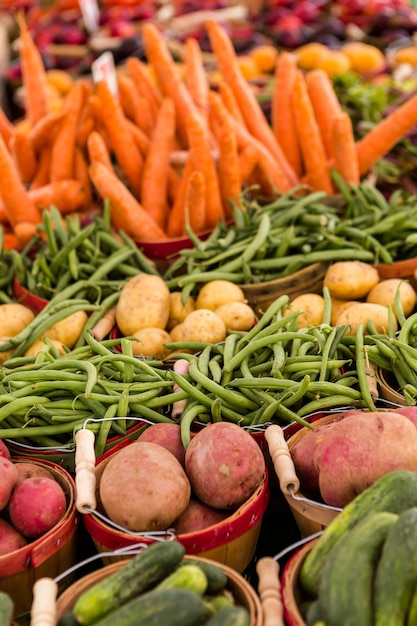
pixel 195 201
pixel 248 159
pixel 344 146
pixel 145 86
pixel 176 217
pixel 325 105
pixel 10 241
pixel 81 174
pixel 41 176
pixel 33 75
pixel 171 84
pixel 6 127
pixel 229 101
pixel 312 149
pixel 386 134
pixel 126 212
pixel 140 138
pixel 43 130
pixel 128 95
pixel 97 149
pixel 282 118
pixel 64 144
pixel 252 113
pixel 228 169
pixel 86 124
pixel 174 182
pixel 154 183
pixel 23 154
pixel 66 195
pixel 19 207
pixel 145 117
pixel 202 159
pixel 196 75
pixel 122 143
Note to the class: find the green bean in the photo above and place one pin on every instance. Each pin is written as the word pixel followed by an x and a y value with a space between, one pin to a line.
pixel 215 369
pixel 38 431
pixel 233 399
pixel 361 369
pixel 190 413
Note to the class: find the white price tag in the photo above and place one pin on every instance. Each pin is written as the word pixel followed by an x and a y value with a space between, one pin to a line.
pixel 91 14
pixel 103 68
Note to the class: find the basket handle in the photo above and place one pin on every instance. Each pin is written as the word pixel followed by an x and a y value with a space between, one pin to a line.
pixel 269 589
pixel 281 459
pixel 43 609
pixel 85 473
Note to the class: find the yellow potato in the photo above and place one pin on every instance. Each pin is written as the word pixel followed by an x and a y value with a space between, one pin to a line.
pixel 176 333
pixel 361 313
pixel 14 317
pixel 204 325
pixel 385 291
pixel 350 280
pixel 218 292
pixel 144 303
pixel 338 306
pixel 41 346
pixel 311 306
pixel 236 315
pixel 150 342
pixel 179 311
pixel 68 330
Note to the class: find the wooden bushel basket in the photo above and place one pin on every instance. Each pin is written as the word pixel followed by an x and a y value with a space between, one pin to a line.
pixel 47 556
pixel 291 593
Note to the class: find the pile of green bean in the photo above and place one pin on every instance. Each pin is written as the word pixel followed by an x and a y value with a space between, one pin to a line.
pixel 62 254
pixel 275 373
pixel 44 400
pixel 274 240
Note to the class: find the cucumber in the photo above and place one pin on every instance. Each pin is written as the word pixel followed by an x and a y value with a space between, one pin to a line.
pixel 230 616
pixel 412 611
pixel 6 609
pixel 346 584
pixel 396 574
pixel 187 576
pixel 218 602
pixel 68 619
pixel 159 607
pixel 144 571
pixel 216 576
pixel 395 492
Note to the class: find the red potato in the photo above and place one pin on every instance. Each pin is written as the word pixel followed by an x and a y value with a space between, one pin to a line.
pixel 4 450
pixel 8 477
pixel 302 454
pixel 10 538
pixel 26 469
pixel 198 516
pixel 359 449
pixel 36 505
pixel 144 487
pixel 224 465
pixel 168 436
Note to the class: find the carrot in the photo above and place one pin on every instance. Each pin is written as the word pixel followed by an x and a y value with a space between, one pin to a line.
pixel 248 159
pixel 195 201
pixel 86 124
pixel 154 182
pixel 10 241
pixel 145 86
pixel 386 134
pixel 229 101
pixel 82 175
pixel 97 149
pixel 64 144
pixel 33 75
pixel 253 115
pixel 173 185
pixel 128 96
pixel 126 212
pixel 105 324
pixel 282 118
pixel 312 149
pixel 195 75
pixel 229 169
pixel 6 127
pixel 41 132
pixel 66 195
pixel 202 159
pixel 145 117
pixel 41 176
pixel 140 138
pixel 344 146
pixel 23 154
pixel 19 208
pixel 122 143
pixel 171 84
pixel 325 105
pixel 176 217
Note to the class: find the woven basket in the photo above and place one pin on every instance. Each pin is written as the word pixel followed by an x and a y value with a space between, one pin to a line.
pixel 242 591
pixel 387 391
pixel 307 280
pixel 47 556
pixel 291 593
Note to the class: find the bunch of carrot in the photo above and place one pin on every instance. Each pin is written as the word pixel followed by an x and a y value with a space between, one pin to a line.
pixel 169 150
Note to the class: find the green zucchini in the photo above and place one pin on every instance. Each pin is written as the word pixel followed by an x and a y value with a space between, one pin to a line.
pixel 144 571
pixel 187 576
pixel 6 609
pixel 394 492
pixel 346 583
pixel 159 607
pixel 216 576
pixel 396 574
pixel 230 616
